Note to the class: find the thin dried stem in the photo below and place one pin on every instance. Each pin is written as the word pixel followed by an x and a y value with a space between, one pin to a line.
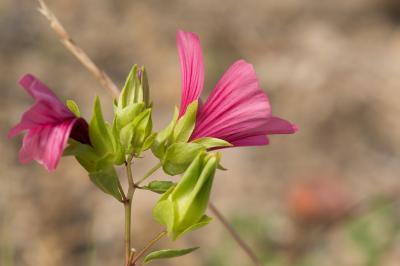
pixel 110 86
pixel 147 247
pixel 235 235
pixel 71 45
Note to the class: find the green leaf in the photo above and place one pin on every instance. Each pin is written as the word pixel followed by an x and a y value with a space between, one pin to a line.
pixel 209 143
pixel 163 138
pixel 167 253
pixel 100 132
pixel 107 180
pixel 185 126
pixel 179 156
pixel 73 107
pixel 159 187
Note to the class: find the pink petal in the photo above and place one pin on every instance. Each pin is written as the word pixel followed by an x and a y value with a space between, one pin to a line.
pixel 237 109
pixel 278 125
pixel 49 124
pixel 192 68
pixel 48 109
pixel 45 144
pixel 251 141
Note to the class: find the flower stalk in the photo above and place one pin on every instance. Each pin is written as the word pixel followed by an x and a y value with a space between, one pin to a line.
pixel 128 212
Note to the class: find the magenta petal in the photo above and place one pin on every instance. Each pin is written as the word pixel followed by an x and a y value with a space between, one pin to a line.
pixel 192 68
pixel 49 124
pixel 278 125
pixel 45 144
pixel 48 109
pixel 251 141
pixel 237 108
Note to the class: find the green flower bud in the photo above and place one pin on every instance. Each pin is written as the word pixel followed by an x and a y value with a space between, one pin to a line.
pixel 136 88
pixel 132 125
pixel 182 208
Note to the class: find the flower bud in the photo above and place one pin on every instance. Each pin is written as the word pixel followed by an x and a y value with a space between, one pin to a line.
pixel 136 88
pixel 182 208
pixel 132 125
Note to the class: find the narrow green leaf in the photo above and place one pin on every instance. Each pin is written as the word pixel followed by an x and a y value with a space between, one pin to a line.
pixel 159 187
pixel 167 253
pixel 73 107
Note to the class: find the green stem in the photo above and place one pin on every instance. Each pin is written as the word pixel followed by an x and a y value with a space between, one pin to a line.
pixel 128 211
pixel 131 188
pixel 148 246
pixel 128 208
pixel 149 173
pixel 121 190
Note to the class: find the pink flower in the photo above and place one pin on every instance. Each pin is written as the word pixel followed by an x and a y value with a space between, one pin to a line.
pixel 49 123
pixel 237 110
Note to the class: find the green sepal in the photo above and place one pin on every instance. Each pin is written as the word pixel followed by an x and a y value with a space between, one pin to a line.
pixel 210 143
pixel 119 154
pixel 136 88
pixel 181 209
pixel 194 191
pixel 143 130
pixel 167 253
pixel 145 86
pixel 164 137
pixel 164 212
pixel 84 153
pixel 100 133
pixel 130 90
pixel 126 114
pixel 100 169
pixel 149 141
pixel 178 157
pixel 185 125
pixel 202 222
pixel 107 180
pixel 73 107
pixel 159 187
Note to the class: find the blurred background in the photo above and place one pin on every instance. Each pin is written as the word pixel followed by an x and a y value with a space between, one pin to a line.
pixel 325 196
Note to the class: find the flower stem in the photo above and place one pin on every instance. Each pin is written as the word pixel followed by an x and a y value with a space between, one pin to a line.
pixel 128 208
pixel 235 235
pixel 149 173
pixel 128 211
pixel 148 246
